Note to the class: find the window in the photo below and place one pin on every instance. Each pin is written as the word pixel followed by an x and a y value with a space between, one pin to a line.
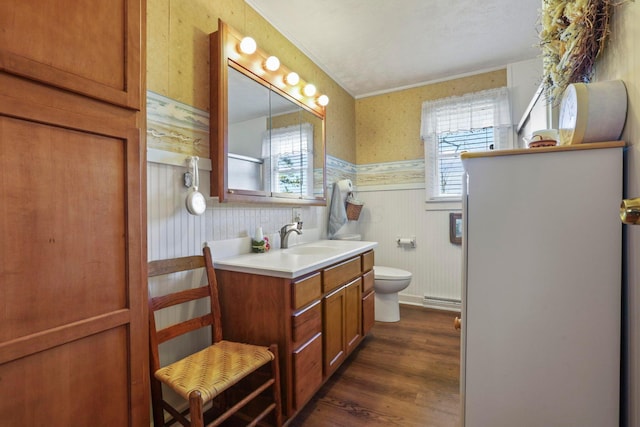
pixel 479 121
pixel 291 154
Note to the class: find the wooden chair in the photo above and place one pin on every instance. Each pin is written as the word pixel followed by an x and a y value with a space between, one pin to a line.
pixel 208 375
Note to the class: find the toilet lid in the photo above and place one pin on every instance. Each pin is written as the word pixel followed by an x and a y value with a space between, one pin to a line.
pixel 390 273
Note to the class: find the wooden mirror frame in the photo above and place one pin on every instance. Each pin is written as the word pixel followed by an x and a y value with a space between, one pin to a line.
pixel 224 54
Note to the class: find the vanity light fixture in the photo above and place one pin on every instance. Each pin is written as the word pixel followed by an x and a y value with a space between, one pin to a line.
pixel 248 45
pixel 272 63
pixel 323 100
pixel 309 90
pixel 292 78
pixel 245 54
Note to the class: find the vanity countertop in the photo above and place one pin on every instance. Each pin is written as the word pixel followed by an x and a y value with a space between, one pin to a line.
pixel 295 261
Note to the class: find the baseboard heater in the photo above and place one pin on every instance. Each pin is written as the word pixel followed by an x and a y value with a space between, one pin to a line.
pixel 442 303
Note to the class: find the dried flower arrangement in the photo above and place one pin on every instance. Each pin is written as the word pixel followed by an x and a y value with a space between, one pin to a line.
pixel 573 34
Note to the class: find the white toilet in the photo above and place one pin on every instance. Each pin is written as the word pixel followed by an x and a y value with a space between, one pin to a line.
pixel 388 282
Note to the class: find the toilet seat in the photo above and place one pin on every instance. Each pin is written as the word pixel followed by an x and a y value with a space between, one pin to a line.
pixel 390 273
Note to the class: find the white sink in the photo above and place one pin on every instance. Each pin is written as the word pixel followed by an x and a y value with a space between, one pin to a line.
pixel 311 250
pixel 294 261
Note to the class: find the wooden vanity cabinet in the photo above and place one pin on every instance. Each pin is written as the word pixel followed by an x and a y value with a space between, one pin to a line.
pixel 316 320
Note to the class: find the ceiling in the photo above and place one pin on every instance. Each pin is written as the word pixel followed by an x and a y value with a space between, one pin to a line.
pixel 374 46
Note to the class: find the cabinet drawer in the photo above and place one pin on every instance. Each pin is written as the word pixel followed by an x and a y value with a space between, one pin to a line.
pixel 306 290
pixel 306 323
pixel 367 261
pixel 340 274
pixel 367 282
pixel 307 371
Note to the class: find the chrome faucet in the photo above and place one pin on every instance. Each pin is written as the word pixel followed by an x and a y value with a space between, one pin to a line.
pixel 286 230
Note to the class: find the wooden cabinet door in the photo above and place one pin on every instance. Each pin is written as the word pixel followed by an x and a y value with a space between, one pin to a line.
pixel 92 48
pixel 352 314
pixel 307 371
pixel 73 343
pixel 368 312
pixel 333 332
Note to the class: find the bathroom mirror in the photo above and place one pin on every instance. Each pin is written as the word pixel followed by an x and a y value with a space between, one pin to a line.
pixel 267 139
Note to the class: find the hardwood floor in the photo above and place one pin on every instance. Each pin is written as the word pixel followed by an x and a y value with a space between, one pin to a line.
pixel 403 374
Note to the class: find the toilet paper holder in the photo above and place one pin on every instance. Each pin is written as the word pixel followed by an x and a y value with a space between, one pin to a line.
pixel 406 241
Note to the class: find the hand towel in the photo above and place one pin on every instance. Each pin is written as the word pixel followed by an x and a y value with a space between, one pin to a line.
pixel 337 211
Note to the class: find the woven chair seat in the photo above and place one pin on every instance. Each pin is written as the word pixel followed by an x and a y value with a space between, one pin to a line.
pixel 214 369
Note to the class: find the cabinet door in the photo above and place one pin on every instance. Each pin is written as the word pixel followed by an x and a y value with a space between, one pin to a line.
pixel 73 334
pixel 333 309
pixel 307 371
pixel 352 315
pixel 91 48
pixel 368 312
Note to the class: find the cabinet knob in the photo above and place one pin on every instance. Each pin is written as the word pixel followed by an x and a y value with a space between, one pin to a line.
pixel 457 323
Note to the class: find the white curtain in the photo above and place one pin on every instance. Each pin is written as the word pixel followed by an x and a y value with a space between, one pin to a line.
pixel 488 108
pixel 478 110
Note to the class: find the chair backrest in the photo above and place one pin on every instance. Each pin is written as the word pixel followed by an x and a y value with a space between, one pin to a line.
pixel 210 290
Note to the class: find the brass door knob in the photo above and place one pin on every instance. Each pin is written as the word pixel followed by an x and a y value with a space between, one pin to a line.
pixel 457 323
pixel 630 211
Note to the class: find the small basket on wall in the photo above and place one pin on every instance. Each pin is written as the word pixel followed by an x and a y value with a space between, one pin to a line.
pixel 354 207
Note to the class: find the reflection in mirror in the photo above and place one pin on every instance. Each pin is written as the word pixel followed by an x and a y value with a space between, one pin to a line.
pixel 317 186
pixel 289 141
pixel 248 122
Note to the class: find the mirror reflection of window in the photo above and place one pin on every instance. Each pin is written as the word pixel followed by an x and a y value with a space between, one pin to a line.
pixel 291 159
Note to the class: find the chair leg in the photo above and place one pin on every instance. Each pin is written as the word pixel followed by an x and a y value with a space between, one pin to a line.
pixel 195 409
pixel 275 369
pixel 156 403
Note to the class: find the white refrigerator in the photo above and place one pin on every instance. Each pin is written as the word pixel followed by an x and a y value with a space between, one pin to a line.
pixel 541 309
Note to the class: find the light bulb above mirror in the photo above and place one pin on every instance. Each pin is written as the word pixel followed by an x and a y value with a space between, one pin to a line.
pixel 309 90
pixel 323 100
pixel 272 63
pixel 248 45
pixel 292 78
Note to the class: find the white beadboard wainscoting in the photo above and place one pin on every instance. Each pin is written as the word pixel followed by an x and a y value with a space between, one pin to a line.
pixel 173 232
pixel 389 212
pixel 436 264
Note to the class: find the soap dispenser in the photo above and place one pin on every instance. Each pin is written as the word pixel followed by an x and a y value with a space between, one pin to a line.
pixel 260 243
